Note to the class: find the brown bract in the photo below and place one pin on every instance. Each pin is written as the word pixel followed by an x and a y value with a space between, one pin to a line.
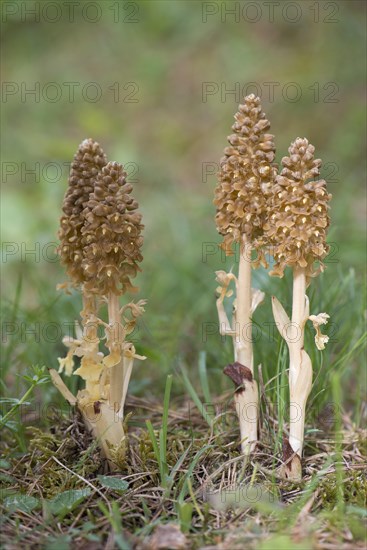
pixel 238 373
pixel 246 176
pixel 88 161
pixel 292 466
pixel 111 234
pixel 298 212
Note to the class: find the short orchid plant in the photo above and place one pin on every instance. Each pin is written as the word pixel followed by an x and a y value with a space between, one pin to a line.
pixel 100 234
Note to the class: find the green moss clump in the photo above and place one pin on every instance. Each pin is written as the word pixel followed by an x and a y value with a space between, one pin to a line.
pixel 73 449
pixel 354 489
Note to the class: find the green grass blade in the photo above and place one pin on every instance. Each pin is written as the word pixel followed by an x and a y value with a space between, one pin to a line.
pixel 164 429
pixel 203 375
pixel 153 440
pixel 196 399
pixel 185 488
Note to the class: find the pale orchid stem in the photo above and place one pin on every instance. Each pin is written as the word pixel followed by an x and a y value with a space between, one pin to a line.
pixel 296 339
pixel 247 399
pixel 128 363
pixel 117 371
pixel 90 331
pixel 300 368
pixel 246 396
pixel 106 427
pixel 247 403
pixel 244 353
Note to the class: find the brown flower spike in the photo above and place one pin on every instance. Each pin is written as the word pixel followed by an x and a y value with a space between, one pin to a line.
pixel 298 212
pixel 246 176
pixel 88 161
pixel 111 234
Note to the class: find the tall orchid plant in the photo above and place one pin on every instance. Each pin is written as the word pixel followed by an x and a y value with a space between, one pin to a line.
pixel 246 175
pixel 296 233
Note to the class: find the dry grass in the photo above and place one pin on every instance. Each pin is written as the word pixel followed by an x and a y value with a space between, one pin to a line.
pixel 233 505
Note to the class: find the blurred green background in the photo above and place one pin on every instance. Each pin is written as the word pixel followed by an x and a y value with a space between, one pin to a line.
pixel 163 72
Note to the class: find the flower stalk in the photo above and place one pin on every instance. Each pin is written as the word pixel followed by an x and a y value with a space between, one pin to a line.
pixel 117 370
pixel 244 352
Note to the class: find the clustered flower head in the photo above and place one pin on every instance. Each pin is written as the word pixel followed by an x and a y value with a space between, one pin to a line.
pixel 88 161
pixel 100 231
pixel 246 176
pixel 298 217
pixel 111 234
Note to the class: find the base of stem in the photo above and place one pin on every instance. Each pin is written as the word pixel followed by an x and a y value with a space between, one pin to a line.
pixel 101 419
